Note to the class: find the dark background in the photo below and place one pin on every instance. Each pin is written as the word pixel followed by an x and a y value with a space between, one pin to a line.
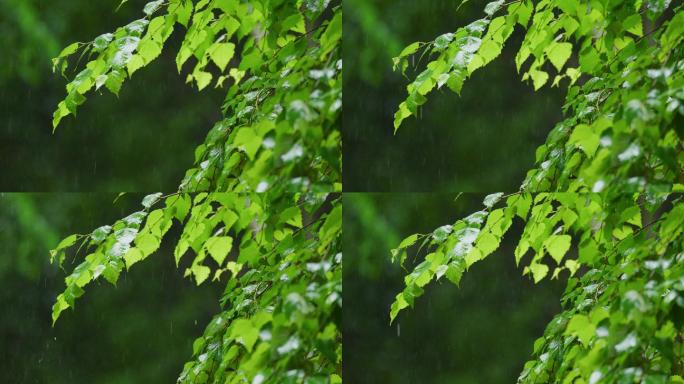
pixel 482 332
pixel 143 140
pixel 483 140
pixel 140 331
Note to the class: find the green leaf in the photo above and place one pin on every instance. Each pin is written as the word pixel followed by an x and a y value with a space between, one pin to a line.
pixel 230 218
pixel 522 205
pixel 523 12
pixel 402 113
pixel 180 250
pixel 114 80
pixel 333 34
pixel 234 267
pixel 152 7
pixel 247 141
pixel 407 242
pixel 455 81
pixel 410 49
pixel 183 10
pixel 202 78
pixel 102 42
pixel 58 252
pixel 136 62
pixel 179 205
pixel 112 270
pixel 133 256
pixel 291 216
pixel 440 234
pixel 59 306
pixel 492 7
pixel 539 78
pixel 201 273
pixel 244 332
pixel 468 45
pixel 539 271
pixel 557 246
pixel 147 243
pixel 221 53
pixel 488 51
pixel 441 42
pixel 100 233
pixel 487 243
pixel 424 82
pixel 572 266
pixel 332 224
pixel 571 7
pixel 218 247
pixel 580 326
pixel 558 54
pixel 491 200
pixel 69 49
pixel 398 304
pixel 454 272
pixel 66 242
pixel 149 200
pixel 583 136
pixel 632 215
pixel 633 24
pixel 61 112
pixel 473 256
pixel 589 59
pixel 148 50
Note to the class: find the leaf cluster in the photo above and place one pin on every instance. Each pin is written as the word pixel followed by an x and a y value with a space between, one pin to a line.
pixel 258 210
pixel 607 183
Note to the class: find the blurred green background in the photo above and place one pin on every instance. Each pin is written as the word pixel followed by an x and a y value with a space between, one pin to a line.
pixel 482 332
pixel 138 332
pixel 143 140
pixel 483 140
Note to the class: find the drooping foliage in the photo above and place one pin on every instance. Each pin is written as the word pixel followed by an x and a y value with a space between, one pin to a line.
pixel 282 301
pixel 607 183
pixel 280 62
pixel 259 209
